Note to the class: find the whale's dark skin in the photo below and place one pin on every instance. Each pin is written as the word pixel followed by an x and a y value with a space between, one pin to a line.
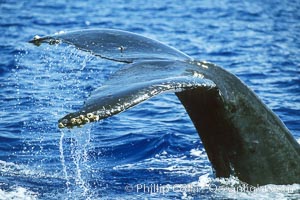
pixel 242 137
pixel 240 134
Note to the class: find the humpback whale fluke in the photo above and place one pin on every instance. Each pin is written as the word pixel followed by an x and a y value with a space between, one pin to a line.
pixel 240 134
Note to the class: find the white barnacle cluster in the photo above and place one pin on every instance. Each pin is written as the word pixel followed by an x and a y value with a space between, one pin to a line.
pixel 79 121
pixel 198 75
pixel 54 41
pixel 36 40
pixel 121 48
pixel 202 64
pixel 36 37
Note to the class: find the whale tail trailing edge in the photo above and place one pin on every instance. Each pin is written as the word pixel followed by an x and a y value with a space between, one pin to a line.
pixel 240 134
pixel 115 45
pixel 112 97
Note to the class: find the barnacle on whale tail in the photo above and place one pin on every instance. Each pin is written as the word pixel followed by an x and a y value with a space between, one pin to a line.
pixel 78 121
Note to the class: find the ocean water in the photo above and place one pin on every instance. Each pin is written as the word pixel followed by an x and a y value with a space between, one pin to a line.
pixel 151 151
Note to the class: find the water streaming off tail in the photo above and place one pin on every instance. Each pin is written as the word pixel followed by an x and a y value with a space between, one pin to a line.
pixel 53 84
pixel 76 82
pixel 74 147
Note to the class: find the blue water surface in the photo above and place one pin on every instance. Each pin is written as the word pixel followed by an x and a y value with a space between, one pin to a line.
pixel 151 151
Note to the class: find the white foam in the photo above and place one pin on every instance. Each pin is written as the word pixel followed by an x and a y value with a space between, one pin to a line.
pixel 233 188
pixel 18 193
pixel 172 164
pixel 204 180
pixel 196 152
pixel 13 169
pixel 262 192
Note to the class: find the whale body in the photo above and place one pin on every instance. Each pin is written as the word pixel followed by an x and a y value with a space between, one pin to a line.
pixel 241 135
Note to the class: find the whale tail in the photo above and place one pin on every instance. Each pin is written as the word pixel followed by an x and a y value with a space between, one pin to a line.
pixel 116 45
pixel 156 77
pixel 240 134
